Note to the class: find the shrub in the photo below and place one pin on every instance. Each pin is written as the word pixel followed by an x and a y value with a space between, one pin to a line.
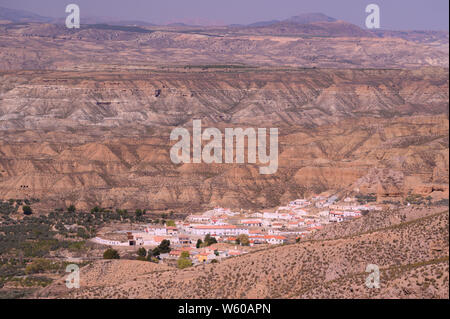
pixel 184 254
pixel 142 252
pixel 170 223
pixel 27 210
pixel 243 240
pixel 111 254
pixel 39 265
pixel 208 241
pixel 184 263
pixel 71 209
pixel 164 246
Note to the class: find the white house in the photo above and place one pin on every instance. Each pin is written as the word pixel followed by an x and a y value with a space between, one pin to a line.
pixel 251 222
pixel 198 218
pixel 218 230
pixel 275 240
pixel 299 202
pixel 156 230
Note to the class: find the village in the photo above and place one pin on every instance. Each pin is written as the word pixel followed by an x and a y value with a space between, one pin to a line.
pixel 232 233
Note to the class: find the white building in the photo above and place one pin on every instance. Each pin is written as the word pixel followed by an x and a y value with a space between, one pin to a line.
pixel 218 230
pixel 156 230
pixel 299 202
pixel 275 240
pixel 198 218
pixel 251 222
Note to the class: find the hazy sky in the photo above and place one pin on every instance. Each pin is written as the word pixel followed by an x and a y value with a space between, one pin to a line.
pixel 395 14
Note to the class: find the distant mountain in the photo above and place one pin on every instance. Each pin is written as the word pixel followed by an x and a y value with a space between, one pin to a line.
pixel 23 16
pixel 306 18
pixel 310 24
pixel 263 23
pixel 16 16
pixel 319 28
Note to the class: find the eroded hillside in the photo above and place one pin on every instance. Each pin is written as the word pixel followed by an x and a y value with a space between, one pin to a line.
pixel 103 138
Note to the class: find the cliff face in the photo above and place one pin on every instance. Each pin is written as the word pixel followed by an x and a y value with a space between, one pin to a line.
pixel 103 138
pixel 35 100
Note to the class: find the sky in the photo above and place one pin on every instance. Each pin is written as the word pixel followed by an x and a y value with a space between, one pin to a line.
pixel 395 14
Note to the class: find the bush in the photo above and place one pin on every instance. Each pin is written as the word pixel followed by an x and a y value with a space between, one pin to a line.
pixel 27 210
pixel 243 240
pixel 71 209
pixel 208 241
pixel 111 254
pixel 142 252
pixel 164 246
pixel 170 223
pixel 153 260
pixel 184 254
pixel 39 265
pixel 184 263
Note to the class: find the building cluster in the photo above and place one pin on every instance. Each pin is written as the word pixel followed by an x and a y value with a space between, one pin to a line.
pixel 287 223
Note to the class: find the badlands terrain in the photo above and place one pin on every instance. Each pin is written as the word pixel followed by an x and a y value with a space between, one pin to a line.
pixel 102 138
pixel 85 118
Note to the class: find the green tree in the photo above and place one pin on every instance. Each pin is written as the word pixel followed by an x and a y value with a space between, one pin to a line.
pixel 209 240
pixel 243 240
pixel 184 263
pixel 141 252
pixel 184 254
pixel 199 243
pixel 111 254
pixel 164 246
pixel 156 251
pixel 170 223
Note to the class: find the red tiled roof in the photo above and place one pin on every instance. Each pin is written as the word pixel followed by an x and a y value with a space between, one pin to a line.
pixel 274 237
pixel 252 222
